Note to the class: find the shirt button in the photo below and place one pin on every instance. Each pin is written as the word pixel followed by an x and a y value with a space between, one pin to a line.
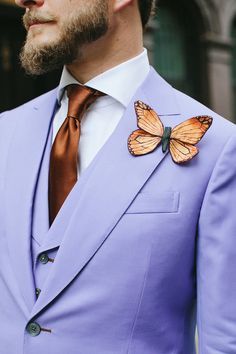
pixel 37 291
pixel 33 328
pixel 43 258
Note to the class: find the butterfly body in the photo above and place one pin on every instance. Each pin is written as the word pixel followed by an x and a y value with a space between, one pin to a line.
pixel 165 140
pixel 180 140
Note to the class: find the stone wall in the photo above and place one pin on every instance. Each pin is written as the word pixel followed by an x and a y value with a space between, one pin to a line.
pixel 217 17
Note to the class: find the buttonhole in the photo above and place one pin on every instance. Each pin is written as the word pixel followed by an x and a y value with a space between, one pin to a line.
pixel 46 330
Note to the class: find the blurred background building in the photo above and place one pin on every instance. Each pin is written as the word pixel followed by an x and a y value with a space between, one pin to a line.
pixel 192 43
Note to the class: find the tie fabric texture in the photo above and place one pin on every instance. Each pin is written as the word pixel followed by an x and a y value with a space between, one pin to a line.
pixel 64 152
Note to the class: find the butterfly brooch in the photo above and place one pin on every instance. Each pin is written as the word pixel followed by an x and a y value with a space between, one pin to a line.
pixel 180 140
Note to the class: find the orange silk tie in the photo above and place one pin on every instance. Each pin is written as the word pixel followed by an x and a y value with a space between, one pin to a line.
pixel 64 152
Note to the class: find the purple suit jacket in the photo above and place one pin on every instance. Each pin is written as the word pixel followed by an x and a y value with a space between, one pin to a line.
pixel 148 246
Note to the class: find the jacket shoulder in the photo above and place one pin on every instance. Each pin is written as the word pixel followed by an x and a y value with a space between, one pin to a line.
pixel 9 119
pixel 221 129
pixel 16 112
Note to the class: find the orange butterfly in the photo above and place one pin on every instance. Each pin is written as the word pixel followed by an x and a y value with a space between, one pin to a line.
pixel 180 140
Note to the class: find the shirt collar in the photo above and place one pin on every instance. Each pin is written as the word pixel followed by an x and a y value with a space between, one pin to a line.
pixel 129 75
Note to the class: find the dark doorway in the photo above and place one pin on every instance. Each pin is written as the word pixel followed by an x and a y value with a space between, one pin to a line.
pixel 15 87
pixel 179 54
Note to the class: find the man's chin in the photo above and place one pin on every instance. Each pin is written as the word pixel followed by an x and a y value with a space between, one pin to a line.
pixel 38 58
pixel 38 39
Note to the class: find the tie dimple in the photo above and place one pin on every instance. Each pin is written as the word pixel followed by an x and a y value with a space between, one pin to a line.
pixel 64 152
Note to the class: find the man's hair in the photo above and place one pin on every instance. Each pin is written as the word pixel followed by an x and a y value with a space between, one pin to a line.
pixel 146 8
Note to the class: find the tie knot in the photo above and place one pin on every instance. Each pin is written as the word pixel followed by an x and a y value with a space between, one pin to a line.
pixel 80 98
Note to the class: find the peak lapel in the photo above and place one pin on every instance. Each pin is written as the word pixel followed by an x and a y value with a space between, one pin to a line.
pixel 25 154
pixel 102 195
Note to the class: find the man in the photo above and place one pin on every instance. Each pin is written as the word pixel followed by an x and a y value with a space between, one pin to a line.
pixel 113 241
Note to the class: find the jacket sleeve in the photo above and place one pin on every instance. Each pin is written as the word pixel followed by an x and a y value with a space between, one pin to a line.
pixel 216 258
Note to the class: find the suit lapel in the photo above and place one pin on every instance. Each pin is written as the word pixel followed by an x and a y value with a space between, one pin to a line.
pixel 25 154
pixel 40 220
pixel 103 193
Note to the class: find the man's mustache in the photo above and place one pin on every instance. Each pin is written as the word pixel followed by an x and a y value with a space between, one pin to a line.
pixel 31 17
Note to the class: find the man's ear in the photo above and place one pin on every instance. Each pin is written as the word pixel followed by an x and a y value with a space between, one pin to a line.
pixel 120 4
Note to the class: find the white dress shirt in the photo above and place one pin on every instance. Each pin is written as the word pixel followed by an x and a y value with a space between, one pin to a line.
pixel 102 117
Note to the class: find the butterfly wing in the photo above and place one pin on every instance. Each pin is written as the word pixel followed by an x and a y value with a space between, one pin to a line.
pixel 182 152
pixel 192 130
pixel 148 120
pixel 142 143
pixel 185 135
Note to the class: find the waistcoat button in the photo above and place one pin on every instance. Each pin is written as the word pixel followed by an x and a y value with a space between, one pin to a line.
pixel 43 258
pixel 37 291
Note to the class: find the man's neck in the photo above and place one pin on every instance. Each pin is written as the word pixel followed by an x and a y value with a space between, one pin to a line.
pixel 104 54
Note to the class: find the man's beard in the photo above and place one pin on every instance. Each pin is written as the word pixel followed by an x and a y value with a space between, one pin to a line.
pixel 86 26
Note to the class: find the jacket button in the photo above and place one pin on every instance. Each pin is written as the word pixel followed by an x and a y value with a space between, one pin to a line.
pixel 33 328
pixel 43 258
